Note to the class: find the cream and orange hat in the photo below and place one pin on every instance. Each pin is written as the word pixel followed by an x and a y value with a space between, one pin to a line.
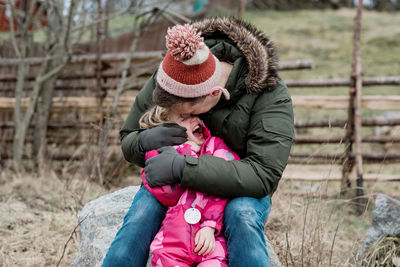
pixel 189 69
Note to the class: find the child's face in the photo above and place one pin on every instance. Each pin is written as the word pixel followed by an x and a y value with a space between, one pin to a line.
pixel 193 125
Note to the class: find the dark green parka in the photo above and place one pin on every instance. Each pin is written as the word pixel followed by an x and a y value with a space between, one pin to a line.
pixel 257 121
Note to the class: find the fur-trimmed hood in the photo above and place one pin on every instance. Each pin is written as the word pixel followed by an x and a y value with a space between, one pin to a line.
pixel 258 50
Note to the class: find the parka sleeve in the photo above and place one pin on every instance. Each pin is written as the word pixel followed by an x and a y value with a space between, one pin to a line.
pixel 130 130
pixel 269 140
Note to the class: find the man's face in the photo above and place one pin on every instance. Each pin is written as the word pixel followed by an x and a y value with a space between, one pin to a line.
pixel 187 109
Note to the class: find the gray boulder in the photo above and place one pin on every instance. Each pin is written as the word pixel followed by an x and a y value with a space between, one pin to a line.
pixel 100 220
pixel 385 222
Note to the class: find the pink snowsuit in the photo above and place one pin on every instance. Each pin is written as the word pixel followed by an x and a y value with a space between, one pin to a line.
pixel 174 243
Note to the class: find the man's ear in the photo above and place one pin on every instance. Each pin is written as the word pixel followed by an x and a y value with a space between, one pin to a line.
pixel 215 92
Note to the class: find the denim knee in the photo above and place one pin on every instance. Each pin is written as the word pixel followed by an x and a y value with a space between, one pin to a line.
pixel 245 212
pixel 244 228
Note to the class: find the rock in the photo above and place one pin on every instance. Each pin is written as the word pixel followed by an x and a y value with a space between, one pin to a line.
pixel 100 220
pixel 385 222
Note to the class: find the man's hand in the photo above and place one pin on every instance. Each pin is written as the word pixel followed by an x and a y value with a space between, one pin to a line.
pixel 162 135
pixel 165 168
pixel 204 241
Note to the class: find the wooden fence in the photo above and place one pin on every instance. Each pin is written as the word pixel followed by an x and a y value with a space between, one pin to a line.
pixel 76 109
pixel 75 106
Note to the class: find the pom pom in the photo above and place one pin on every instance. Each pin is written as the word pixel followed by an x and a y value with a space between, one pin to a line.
pixel 183 41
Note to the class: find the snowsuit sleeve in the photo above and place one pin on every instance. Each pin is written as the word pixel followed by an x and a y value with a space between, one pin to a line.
pixel 168 195
pixel 213 214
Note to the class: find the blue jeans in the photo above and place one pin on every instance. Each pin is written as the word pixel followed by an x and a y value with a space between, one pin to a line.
pixel 244 224
pixel 244 219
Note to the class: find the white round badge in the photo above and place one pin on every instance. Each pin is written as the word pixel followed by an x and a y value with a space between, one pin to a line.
pixel 192 216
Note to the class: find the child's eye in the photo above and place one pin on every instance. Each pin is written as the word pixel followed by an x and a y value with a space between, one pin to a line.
pixel 185 116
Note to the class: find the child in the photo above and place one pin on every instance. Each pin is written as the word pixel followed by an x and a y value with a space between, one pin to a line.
pixel 191 231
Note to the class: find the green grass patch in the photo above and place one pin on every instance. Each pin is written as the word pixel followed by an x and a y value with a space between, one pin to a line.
pixel 326 37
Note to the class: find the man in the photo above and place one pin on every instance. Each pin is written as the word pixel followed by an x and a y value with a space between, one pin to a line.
pixel 254 118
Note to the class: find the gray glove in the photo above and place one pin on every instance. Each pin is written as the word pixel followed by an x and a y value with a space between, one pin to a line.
pixel 162 135
pixel 165 168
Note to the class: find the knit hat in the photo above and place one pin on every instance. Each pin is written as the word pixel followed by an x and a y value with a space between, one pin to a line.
pixel 189 69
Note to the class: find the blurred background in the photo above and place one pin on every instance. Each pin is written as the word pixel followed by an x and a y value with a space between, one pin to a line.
pixel 70 71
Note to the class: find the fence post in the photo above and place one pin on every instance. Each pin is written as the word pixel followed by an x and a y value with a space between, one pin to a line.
pixel 354 120
pixel 348 161
pixel 357 79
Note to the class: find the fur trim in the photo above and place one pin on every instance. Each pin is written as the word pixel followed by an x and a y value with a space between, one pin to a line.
pixel 256 47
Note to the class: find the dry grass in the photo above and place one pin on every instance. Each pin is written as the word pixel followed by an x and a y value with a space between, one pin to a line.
pixel 385 252
pixel 39 211
pixel 313 231
pixel 38 215
pixel 319 228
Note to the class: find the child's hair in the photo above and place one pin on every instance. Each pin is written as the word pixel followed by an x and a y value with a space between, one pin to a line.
pixel 155 116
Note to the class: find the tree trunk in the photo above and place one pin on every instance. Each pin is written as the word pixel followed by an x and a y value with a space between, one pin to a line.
pixel 43 114
pixel 242 8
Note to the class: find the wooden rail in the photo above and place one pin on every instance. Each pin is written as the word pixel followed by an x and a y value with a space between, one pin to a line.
pixel 308 139
pixel 335 177
pixel 336 158
pixel 296 158
pixel 92 58
pixel 326 102
pixel 59 138
pixel 298 124
pixel 341 102
pixel 342 123
pixel 367 81
pixel 68 103
pixel 286 65
pixel 139 57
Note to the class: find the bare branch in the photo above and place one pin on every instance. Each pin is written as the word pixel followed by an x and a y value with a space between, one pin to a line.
pixel 83 23
pixel 121 13
pixel 38 14
pixel 125 12
pixel 29 17
pixel 13 41
pixel 69 22
pixel 52 73
pixel 179 16
pixel 69 239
